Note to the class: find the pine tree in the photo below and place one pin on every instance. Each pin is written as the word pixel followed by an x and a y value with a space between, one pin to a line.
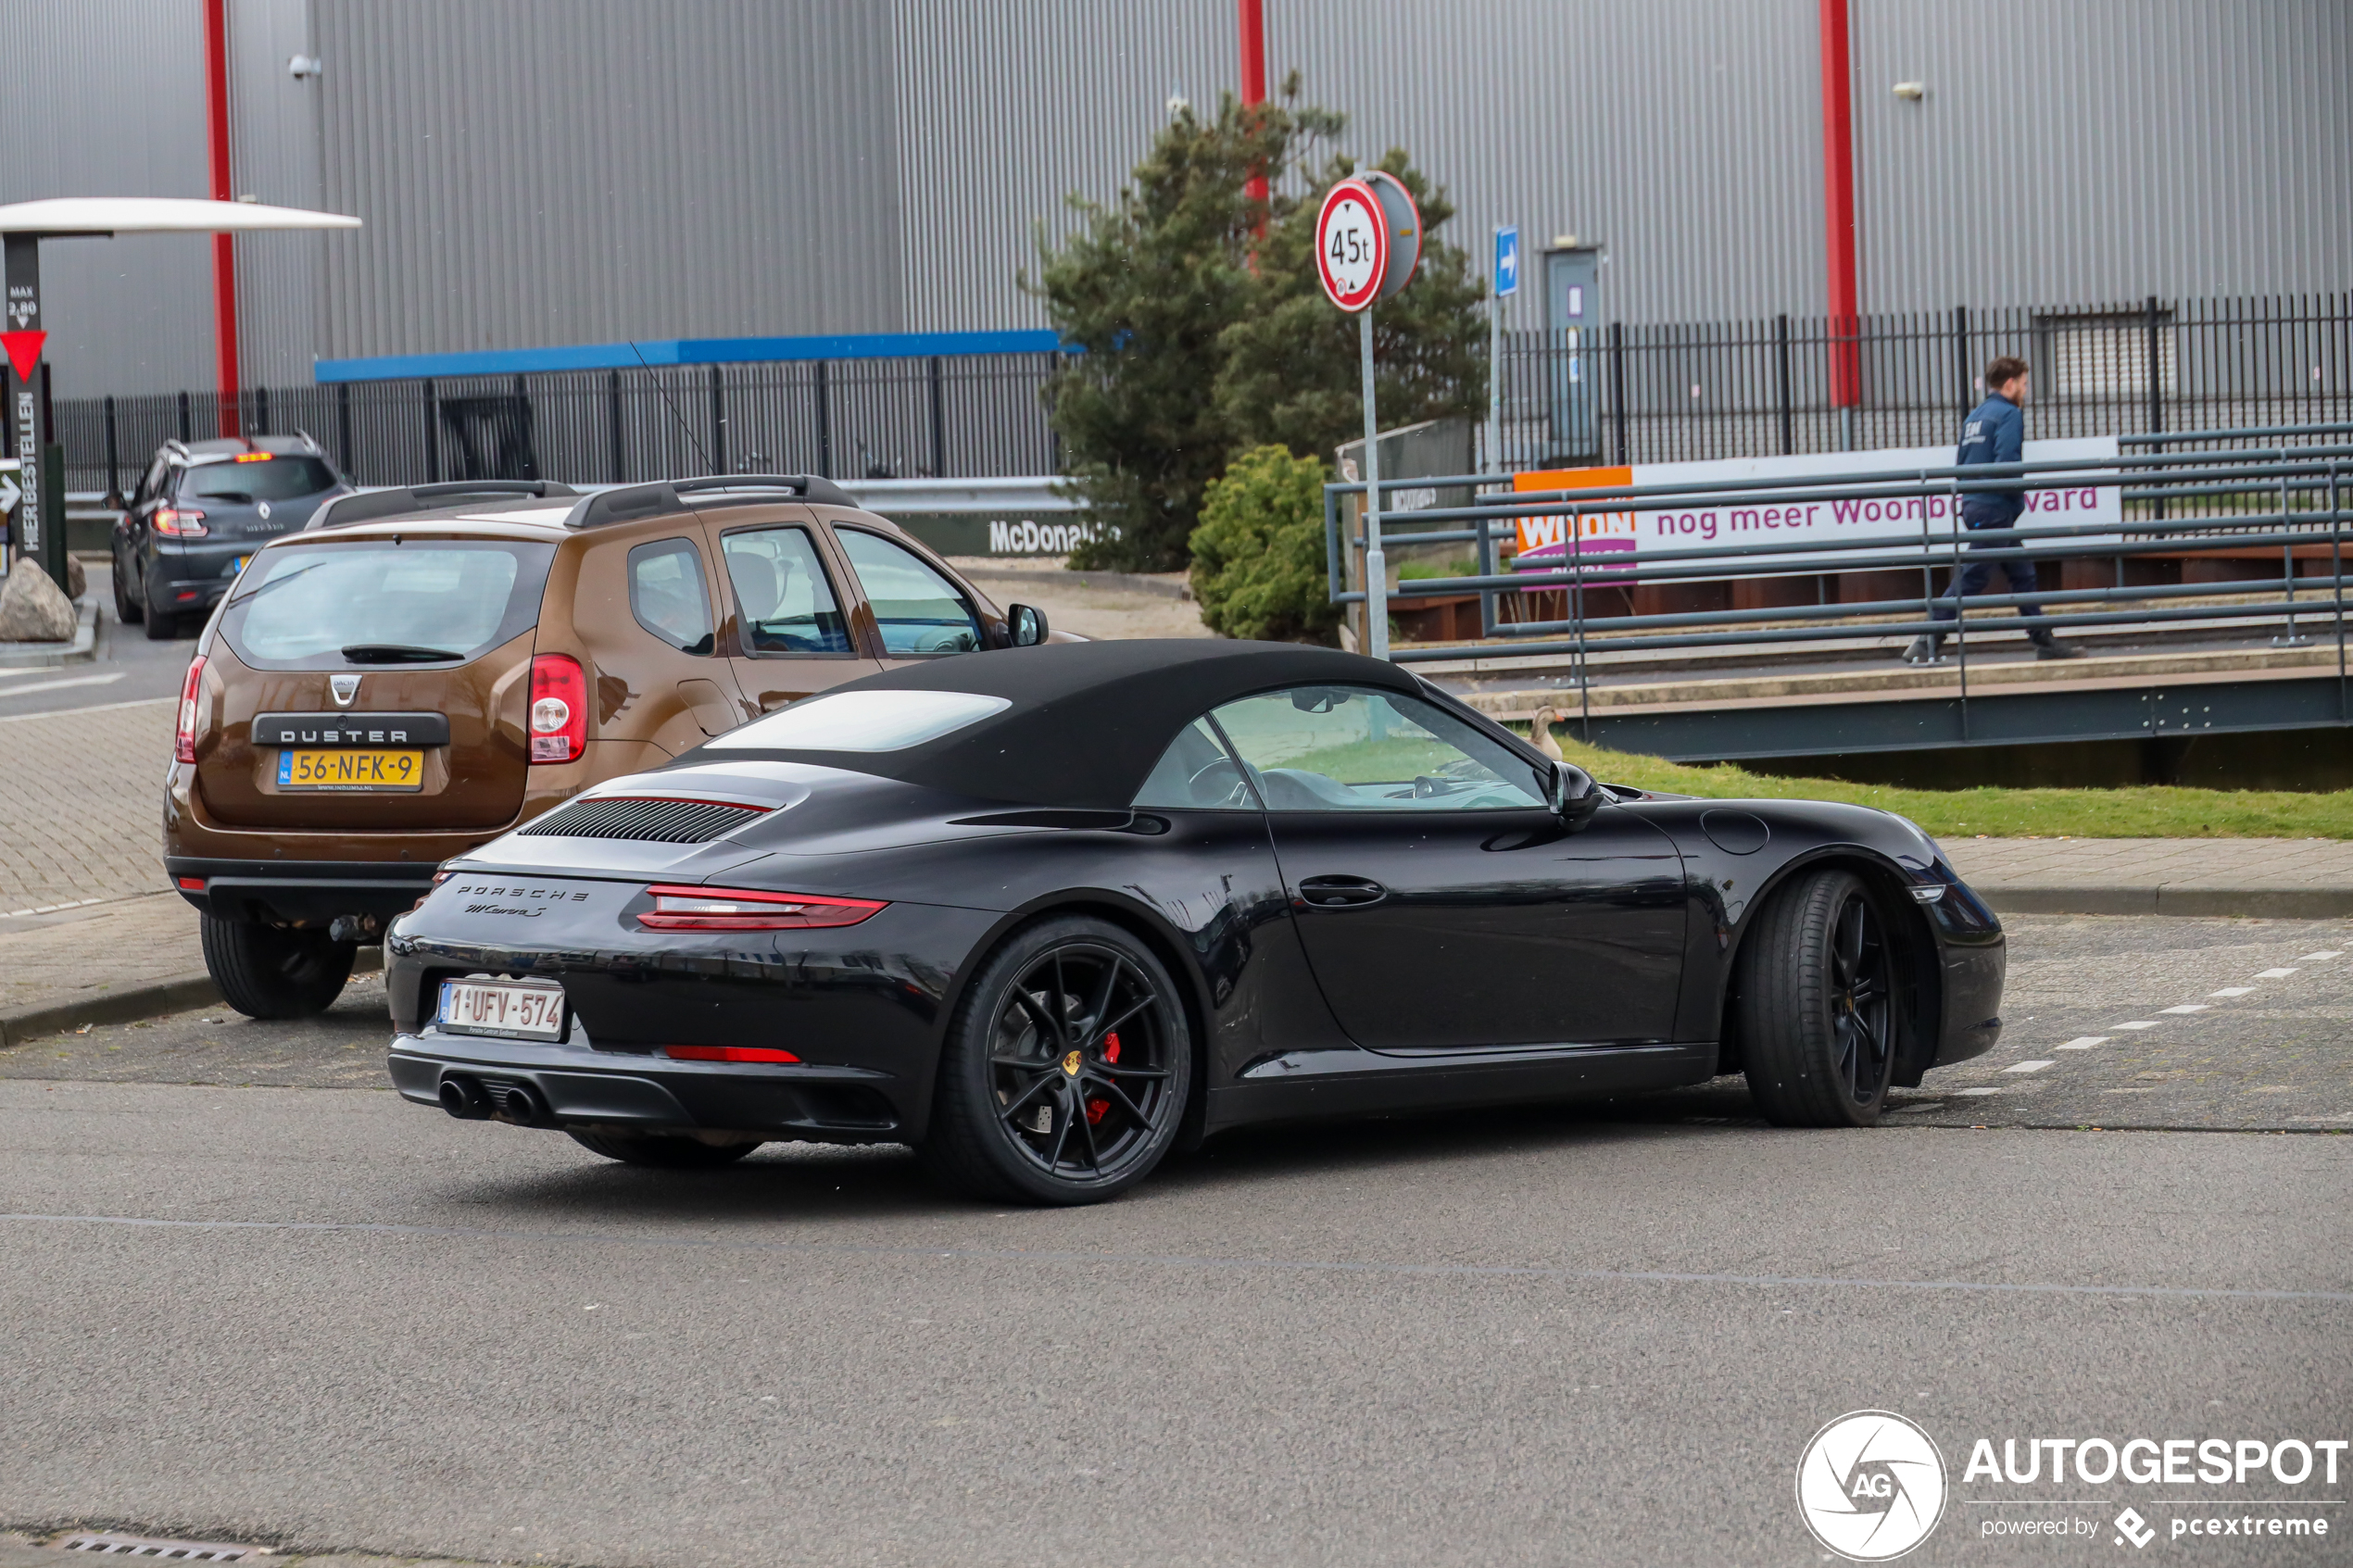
pixel 1204 330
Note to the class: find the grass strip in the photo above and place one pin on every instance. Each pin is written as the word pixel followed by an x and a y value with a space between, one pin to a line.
pixel 2140 811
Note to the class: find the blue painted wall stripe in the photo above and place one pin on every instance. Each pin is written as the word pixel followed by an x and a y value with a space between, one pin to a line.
pixel 683 351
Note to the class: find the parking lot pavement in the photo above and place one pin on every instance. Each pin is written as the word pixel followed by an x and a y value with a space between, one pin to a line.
pixel 306 1312
pixel 81 796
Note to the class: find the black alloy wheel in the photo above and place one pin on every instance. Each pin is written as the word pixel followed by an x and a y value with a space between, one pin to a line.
pixel 1065 1073
pixel 1818 1008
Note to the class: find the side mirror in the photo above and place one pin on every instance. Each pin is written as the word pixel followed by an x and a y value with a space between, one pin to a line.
pixel 1573 795
pixel 1026 623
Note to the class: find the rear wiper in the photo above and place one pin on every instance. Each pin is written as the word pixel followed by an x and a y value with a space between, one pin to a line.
pixel 395 653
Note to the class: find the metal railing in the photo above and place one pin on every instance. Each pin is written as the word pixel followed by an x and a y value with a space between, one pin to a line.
pixel 2247 499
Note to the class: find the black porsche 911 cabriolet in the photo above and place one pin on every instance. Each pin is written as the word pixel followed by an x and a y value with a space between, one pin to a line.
pixel 1049 912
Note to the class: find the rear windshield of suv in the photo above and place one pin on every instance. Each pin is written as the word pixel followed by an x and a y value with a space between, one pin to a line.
pixel 279 479
pixel 379 603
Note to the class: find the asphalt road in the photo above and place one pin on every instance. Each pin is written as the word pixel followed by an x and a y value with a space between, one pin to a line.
pixel 250 1295
pixel 127 668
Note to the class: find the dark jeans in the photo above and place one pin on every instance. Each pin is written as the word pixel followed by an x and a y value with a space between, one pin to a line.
pixel 1978 575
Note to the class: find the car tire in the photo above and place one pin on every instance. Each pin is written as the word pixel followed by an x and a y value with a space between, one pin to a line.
pixel 666 1150
pixel 126 609
pixel 1817 1006
pixel 161 625
pixel 1067 1068
pixel 268 971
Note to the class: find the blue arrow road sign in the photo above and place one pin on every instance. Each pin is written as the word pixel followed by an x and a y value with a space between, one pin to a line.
pixel 1506 262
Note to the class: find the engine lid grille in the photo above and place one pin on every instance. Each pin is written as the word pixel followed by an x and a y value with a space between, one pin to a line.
pixel 649 819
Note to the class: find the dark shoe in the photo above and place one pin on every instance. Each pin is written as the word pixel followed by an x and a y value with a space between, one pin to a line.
pixel 1925 649
pixel 2057 649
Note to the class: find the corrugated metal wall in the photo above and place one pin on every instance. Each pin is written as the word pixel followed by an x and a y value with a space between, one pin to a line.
pixel 550 172
pixel 1005 108
pixel 99 102
pixel 2094 150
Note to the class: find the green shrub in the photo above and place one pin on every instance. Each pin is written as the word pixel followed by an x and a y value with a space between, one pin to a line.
pixel 1258 554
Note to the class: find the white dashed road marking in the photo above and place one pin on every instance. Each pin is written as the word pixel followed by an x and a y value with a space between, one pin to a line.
pixel 2316 958
pixel 2085 1043
pixel 2234 991
pixel 1985 1091
pixel 2027 1066
pixel 2190 1007
pixel 2136 1023
pixel 2273 974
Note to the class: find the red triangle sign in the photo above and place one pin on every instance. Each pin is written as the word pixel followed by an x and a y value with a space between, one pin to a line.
pixel 24 351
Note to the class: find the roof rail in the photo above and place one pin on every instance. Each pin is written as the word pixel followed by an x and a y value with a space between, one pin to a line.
pixel 628 502
pixel 367 506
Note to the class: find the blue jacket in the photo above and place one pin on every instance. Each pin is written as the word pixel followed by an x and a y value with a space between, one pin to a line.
pixel 1994 433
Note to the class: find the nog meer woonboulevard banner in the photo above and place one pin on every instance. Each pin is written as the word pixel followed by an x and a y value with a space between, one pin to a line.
pixel 1703 524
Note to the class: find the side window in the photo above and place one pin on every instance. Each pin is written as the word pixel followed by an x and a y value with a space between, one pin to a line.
pixel 784 601
pixel 1353 748
pixel 667 593
pixel 1197 773
pixel 919 610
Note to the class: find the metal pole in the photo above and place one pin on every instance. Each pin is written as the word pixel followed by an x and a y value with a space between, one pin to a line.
pixel 1617 389
pixel 114 474
pixel 718 423
pixel 2156 390
pixel 1376 563
pixel 612 422
pixel 1960 359
pixel 342 425
pixel 939 418
pixel 432 406
pixel 1494 379
pixel 2287 565
pixel 2337 571
pixel 1781 345
pixel 825 426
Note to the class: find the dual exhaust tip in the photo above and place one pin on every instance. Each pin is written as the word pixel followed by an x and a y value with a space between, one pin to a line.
pixel 470 1099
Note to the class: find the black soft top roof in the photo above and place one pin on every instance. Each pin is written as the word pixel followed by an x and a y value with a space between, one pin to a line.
pixel 1089 720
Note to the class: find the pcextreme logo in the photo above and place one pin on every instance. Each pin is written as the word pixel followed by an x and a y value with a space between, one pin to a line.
pixel 1871 1486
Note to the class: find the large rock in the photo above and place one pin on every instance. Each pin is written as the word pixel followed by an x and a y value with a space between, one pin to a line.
pixel 34 609
pixel 76 579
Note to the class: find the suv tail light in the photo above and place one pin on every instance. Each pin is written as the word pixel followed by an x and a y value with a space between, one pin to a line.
pixel 558 708
pixel 178 522
pixel 734 908
pixel 183 739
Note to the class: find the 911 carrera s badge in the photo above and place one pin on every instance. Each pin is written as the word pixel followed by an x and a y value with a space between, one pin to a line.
pixel 1070 1064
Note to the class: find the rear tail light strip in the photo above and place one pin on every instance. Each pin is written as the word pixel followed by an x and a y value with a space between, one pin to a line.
pixel 178 522
pixel 730 908
pixel 183 739
pixel 725 1053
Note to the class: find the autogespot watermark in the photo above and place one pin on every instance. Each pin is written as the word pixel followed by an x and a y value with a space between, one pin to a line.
pixel 1871 1486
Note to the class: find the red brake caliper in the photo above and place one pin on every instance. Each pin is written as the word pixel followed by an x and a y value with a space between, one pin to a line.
pixel 1098 1108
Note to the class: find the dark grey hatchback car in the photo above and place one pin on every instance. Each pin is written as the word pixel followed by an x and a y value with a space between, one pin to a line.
pixel 201 510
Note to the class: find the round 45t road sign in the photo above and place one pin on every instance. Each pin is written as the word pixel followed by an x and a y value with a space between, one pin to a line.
pixel 1352 246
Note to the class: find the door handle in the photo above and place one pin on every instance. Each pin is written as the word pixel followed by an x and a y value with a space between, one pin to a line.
pixel 1340 892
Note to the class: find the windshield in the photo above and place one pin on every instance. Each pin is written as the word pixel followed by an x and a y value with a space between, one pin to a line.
pixel 348 604
pixel 883 721
pixel 278 479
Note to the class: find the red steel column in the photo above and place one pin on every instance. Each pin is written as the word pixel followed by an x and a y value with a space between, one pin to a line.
pixel 224 254
pixel 1254 24
pixel 1838 203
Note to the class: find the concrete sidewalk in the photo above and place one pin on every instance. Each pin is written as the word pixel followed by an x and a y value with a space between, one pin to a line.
pixel 139 957
pixel 2278 878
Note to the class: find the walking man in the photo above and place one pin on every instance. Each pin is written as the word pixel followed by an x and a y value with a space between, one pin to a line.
pixel 1994 433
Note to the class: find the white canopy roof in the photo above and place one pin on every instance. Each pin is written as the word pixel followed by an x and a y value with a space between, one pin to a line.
pixel 157 215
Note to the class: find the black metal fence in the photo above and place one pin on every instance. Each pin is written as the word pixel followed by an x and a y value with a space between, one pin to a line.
pixel 962 415
pixel 1622 393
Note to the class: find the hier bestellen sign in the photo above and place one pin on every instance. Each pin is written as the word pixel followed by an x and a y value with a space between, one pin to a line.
pixel 1711 525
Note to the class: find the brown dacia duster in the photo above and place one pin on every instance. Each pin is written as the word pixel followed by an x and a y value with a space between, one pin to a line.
pixel 421 669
